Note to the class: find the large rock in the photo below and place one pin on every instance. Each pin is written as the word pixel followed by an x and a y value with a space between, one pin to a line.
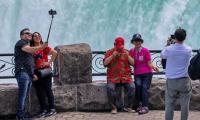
pixel 157 95
pixel 195 98
pixel 64 96
pixel 8 99
pixel 74 64
pixel 92 97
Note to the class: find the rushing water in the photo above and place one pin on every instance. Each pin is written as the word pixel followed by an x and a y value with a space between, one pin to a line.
pixel 98 22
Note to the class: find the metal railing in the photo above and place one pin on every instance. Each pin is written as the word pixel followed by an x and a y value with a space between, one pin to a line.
pixel 7 66
pixel 99 70
pixel 7 63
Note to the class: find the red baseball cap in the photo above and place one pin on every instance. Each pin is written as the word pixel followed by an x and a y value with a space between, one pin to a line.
pixel 119 43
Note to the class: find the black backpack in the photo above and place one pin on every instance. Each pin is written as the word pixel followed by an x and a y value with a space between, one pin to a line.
pixel 194 67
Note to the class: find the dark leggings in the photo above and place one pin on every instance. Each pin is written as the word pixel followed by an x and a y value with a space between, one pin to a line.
pixel 43 88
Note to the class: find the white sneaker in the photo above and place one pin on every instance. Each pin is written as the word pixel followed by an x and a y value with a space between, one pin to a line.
pixel 114 111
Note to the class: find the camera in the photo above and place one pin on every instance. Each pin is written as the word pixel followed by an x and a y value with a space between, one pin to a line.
pixel 171 40
pixel 172 37
pixel 52 12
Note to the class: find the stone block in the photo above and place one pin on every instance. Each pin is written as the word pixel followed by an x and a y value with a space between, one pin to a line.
pixel 157 94
pixel 65 99
pixel 8 99
pixel 74 64
pixel 92 97
pixel 195 98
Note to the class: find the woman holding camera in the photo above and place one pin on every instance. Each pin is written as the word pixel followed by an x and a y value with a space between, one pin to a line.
pixel 43 81
pixel 142 72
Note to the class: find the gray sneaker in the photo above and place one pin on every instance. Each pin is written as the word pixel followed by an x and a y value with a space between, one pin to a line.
pixel 41 114
pixel 50 113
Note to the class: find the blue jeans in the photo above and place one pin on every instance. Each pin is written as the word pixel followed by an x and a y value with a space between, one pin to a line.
pixel 142 83
pixel 24 81
pixel 114 94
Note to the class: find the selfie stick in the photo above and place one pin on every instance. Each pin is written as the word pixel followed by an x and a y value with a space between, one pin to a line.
pixel 52 13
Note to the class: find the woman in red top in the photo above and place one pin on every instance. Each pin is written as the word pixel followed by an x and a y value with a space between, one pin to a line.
pixel 43 86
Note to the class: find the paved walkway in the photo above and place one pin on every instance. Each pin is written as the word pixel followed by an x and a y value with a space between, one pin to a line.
pixel 152 115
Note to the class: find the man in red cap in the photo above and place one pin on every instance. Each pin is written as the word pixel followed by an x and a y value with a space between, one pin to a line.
pixel 118 61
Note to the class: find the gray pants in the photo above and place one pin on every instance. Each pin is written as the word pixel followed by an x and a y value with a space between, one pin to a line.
pixel 177 88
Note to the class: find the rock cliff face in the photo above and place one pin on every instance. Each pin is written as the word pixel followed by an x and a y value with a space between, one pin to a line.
pixel 74 91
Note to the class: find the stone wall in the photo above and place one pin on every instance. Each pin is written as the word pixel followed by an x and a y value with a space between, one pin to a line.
pixel 87 97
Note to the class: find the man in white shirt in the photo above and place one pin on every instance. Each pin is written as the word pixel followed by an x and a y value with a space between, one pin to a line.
pixel 178 84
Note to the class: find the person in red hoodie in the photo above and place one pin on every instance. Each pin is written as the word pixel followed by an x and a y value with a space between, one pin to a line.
pixel 43 85
pixel 118 61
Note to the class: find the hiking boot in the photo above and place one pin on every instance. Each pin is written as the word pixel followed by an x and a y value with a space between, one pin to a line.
pixel 130 110
pixel 51 112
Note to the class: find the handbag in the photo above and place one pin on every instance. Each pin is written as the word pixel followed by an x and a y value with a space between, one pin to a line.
pixel 45 72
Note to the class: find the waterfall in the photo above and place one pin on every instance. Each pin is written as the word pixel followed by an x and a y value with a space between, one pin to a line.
pixel 99 22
